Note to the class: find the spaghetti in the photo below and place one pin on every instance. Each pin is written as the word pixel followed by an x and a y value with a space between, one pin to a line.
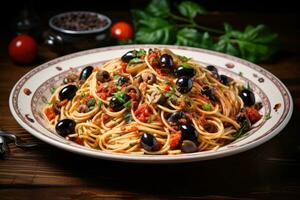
pixel 153 102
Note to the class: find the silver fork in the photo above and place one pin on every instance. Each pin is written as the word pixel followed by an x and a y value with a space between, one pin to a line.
pixel 6 137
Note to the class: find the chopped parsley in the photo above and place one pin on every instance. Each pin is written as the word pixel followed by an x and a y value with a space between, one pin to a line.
pixel 91 102
pixel 240 132
pixel 268 116
pixel 50 103
pixel 135 61
pixel 139 53
pixel 53 89
pixel 207 106
pixel 128 117
pixel 100 104
pixel 167 82
pixel 116 77
pixel 183 58
pixel 127 104
pixel 120 95
pixel 186 65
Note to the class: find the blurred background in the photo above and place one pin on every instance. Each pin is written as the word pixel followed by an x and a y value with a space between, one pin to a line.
pixel 35 14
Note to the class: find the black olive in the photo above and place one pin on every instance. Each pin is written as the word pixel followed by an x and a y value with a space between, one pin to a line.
pixel 247 97
pixel 136 91
pixel 86 72
pixel 188 146
pixel 68 92
pixel 225 80
pixel 214 71
pixel 128 56
pixel 122 80
pixel 176 116
pixel 116 104
pixel 185 71
pixel 148 142
pixel 65 127
pixel 188 132
pixel 184 84
pixel 166 61
pixel 103 76
pixel 209 92
pixel 243 120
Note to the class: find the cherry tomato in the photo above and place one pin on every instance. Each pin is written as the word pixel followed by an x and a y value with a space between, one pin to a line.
pixel 122 31
pixel 22 49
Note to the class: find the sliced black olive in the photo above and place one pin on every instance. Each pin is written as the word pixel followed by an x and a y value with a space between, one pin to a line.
pixel 136 90
pixel 149 77
pixel 166 61
pixel 128 56
pixel 65 127
pixel 184 71
pixel 176 116
pixel 188 132
pixel 243 120
pixel 247 97
pixel 148 142
pixel 68 92
pixel 103 76
pixel 70 78
pixel 184 84
pixel 214 71
pixel 209 92
pixel 225 80
pixel 86 72
pixel 116 105
pixel 160 99
pixel 122 80
pixel 188 146
pixel 258 105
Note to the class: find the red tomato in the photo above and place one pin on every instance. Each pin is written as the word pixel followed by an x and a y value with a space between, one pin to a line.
pixel 22 49
pixel 122 31
pixel 253 115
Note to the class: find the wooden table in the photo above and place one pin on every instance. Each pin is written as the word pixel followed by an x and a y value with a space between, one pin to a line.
pixel 270 171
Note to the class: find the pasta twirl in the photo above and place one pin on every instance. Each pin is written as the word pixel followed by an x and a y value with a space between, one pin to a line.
pixel 153 102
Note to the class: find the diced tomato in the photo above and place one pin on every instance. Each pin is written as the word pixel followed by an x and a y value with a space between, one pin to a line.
pixel 167 88
pixel 143 113
pixel 62 103
pixel 86 99
pixel 49 112
pixel 123 67
pixel 79 141
pixel 174 140
pixel 253 115
pixel 132 94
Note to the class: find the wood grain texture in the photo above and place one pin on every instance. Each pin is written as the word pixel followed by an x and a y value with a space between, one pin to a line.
pixel 270 171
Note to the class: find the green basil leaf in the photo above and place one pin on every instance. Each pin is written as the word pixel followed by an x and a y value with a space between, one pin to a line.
pixel 186 65
pixel 158 8
pixel 191 37
pixel 127 104
pixel 224 45
pixel 155 31
pixel 91 102
pixel 190 9
pixel 254 43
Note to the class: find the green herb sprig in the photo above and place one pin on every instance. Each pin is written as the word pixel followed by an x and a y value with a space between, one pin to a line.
pixel 157 24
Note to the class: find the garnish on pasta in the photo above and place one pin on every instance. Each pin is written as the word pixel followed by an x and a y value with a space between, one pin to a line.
pixel 152 102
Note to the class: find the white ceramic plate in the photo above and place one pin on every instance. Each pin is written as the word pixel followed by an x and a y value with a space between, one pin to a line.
pixel 32 91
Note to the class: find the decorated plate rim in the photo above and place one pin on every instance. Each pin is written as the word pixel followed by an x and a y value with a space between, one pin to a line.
pixel 24 121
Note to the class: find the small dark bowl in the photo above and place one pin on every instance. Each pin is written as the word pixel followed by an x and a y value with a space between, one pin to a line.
pixel 64 41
